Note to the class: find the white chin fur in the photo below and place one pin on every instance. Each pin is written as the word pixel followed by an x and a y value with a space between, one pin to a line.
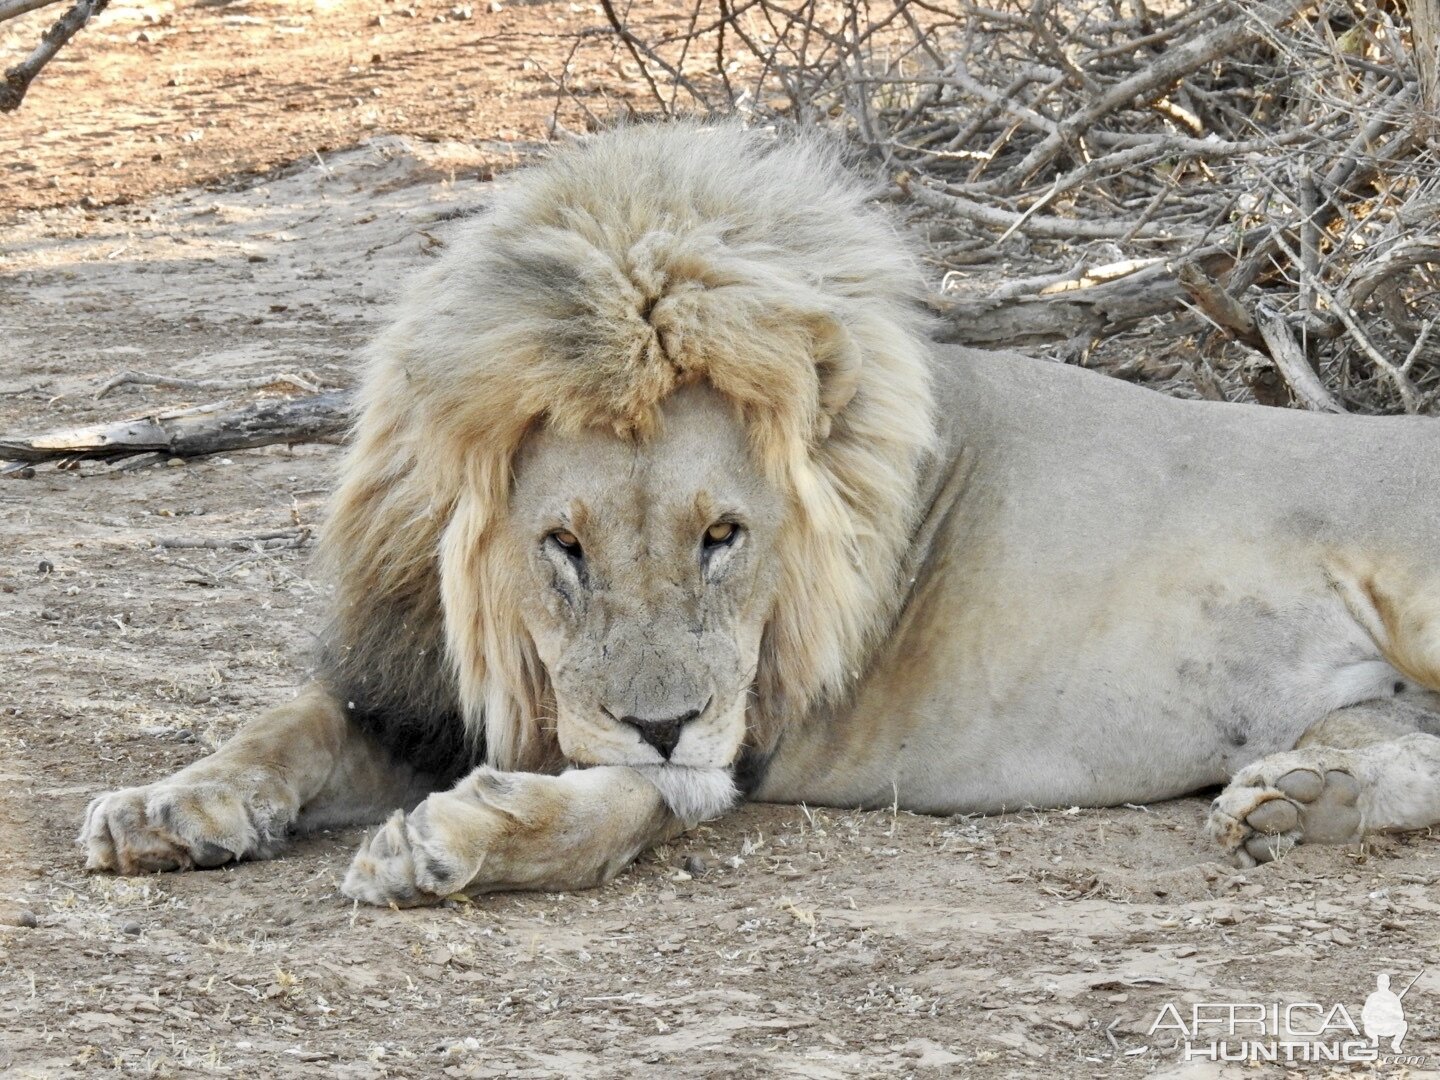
pixel 693 795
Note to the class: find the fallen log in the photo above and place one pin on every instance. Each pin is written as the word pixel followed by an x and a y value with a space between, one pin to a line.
pixel 194 432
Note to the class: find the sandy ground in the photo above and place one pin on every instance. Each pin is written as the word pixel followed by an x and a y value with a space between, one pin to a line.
pixel 158 95
pixel 806 943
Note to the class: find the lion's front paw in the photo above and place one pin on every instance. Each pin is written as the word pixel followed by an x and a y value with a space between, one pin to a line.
pixel 496 830
pixel 179 826
pixel 420 857
pixel 1281 801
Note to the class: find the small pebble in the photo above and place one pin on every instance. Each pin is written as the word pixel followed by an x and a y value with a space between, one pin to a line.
pixel 131 928
pixel 694 865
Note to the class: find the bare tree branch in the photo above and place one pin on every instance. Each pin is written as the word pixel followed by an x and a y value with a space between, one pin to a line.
pixel 18 78
pixel 11 9
pixel 306 380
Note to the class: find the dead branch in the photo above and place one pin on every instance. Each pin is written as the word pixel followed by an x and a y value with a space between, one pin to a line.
pixel 1050 228
pixel 1100 301
pixel 1218 305
pixel 1082 306
pixel 207 429
pixel 18 78
pixel 634 45
pixel 1425 42
pixel 1292 365
pixel 307 381
pixel 278 540
pixel 13 9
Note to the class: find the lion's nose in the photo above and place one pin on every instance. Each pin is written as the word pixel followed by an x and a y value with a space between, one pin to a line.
pixel 662 734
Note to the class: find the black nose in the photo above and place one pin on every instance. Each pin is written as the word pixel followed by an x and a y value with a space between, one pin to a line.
pixel 663 735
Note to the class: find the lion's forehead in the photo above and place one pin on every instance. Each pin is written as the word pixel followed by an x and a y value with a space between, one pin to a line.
pixel 699 464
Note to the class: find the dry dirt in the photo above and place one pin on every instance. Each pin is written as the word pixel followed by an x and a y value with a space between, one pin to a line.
pixel 814 943
pixel 157 95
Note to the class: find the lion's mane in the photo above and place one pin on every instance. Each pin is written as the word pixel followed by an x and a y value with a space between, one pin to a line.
pixel 592 287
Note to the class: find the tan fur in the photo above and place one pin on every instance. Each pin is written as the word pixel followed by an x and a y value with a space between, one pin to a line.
pixel 1399 608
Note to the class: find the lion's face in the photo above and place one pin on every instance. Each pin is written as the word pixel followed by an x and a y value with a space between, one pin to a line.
pixel 649 581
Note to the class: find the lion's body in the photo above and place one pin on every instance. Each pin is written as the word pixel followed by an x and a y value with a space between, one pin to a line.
pixel 656 475
pixel 1127 597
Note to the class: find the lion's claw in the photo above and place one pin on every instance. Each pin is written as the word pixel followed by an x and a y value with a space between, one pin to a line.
pixel 383 870
pixel 405 863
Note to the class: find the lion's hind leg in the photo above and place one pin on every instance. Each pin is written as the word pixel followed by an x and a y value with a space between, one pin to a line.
pixel 302 764
pixel 1372 767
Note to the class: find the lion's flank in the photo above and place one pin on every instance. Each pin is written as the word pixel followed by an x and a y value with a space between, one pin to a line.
pixel 595 285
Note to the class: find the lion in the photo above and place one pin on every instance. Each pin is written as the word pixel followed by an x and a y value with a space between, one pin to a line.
pixel 661 497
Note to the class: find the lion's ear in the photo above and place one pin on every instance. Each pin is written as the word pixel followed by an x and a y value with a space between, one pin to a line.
pixel 837 365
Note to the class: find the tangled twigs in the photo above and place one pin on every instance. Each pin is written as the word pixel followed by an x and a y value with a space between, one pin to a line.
pixel 1409 399
pixel 18 78
pixel 1144 84
pixel 1267 171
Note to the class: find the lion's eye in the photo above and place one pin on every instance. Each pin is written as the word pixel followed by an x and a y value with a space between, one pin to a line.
pixel 567 542
pixel 721 534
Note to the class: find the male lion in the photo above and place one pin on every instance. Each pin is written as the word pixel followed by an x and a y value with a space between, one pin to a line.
pixel 661 496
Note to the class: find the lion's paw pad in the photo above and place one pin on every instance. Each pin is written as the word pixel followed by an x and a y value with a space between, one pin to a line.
pixel 1265 812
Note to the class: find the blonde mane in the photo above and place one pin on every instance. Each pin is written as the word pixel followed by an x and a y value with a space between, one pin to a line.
pixel 593 287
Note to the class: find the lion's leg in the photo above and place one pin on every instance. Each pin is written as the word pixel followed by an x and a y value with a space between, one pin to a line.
pixel 497 831
pixel 301 764
pixel 1373 767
